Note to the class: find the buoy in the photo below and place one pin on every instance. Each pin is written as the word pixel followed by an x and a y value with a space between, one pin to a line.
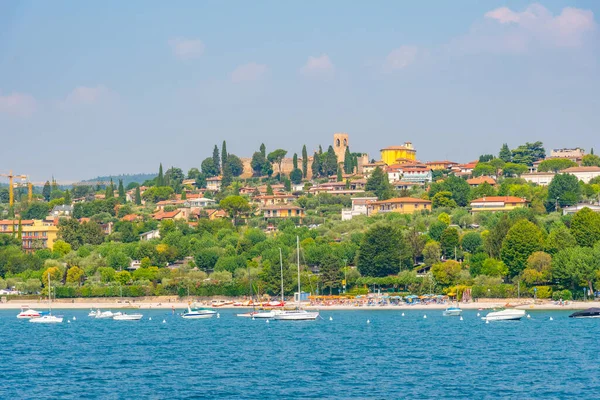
pixel 487 322
pixel 68 321
pixel 253 318
pixel 164 321
pixel 461 318
pixel 218 315
pixel 528 316
pixel 551 319
pixel 403 314
pixel 368 321
pixel 331 318
pixel 267 321
pixel 150 319
pixel 479 315
pixel 74 318
pixel 424 316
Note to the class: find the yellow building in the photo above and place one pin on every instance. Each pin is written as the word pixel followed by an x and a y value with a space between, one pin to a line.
pixel 402 205
pixel 391 155
pixel 282 211
pixel 36 234
pixel 497 203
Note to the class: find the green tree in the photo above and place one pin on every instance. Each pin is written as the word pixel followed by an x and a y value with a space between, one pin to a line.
pixel 585 227
pixel 295 161
pixel 329 162
pixel 46 191
pixel 216 161
pixel 121 191
pixel 379 184
pixel 556 164
pixel 75 275
pixel 559 238
pixel 61 248
pixel 160 179
pixel 590 160
pixel 563 190
pixel 339 176
pixel 449 242
pixel 528 153
pixel 443 200
pixel 36 210
pixel 263 150
pixel 234 206
pixel 497 164
pixel 156 194
pixel 193 173
pixel 223 154
pixel 459 188
pixel 227 176
pixel 276 157
pixel 432 252
pixel 505 154
pixel 206 259
pixel 258 163
pixel 513 169
pixel 417 242
pixel 122 277
pixel 269 189
pixel 296 176
pixel 138 196
pixel 577 264
pixel 316 166
pixel 436 229
pixel 472 242
pixel 483 169
pixel 330 269
pixel 304 162
pixel 348 161
pixel 383 251
pixel 523 239
pixel 446 273
pixel 493 267
pixel 209 168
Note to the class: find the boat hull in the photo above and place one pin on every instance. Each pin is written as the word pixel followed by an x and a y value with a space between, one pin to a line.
pixel 593 312
pixel 452 312
pixel 47 319
pixel 505 315
pixel 296 316
pixel 197 316
pixel 128 317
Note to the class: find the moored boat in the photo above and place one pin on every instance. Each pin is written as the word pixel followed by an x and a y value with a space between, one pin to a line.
pixel 593 312
pixel 27 313
pixel 127 317
pixel 296 315
pixel 47 319
pixel 510 314
pixel 452 312
pixel 199 313
pixel 104 314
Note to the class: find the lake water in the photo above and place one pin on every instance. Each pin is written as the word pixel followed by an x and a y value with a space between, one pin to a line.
pixel 236 358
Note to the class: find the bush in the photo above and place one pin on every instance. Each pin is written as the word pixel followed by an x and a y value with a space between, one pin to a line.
pixel 543 292
pixel 501 291
pixel 562 294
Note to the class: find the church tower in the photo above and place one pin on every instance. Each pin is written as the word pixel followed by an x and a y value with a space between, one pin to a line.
pixel 340 144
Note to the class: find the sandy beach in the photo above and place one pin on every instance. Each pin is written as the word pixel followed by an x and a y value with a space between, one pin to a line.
pixel 169 302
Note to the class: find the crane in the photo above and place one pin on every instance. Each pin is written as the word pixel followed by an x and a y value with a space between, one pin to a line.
pixel 11 194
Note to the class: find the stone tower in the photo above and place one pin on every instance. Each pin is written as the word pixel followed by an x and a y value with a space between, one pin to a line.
pixel 340 144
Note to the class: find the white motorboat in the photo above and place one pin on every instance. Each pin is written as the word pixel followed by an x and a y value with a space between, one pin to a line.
pixel 27 313
pixel 452 312
pixel 127 317
pixel 200 313
pixel 104 314
pixel 93 313
pixel 510 314
pixel 47 319
pixel 296 315
pixel 267 314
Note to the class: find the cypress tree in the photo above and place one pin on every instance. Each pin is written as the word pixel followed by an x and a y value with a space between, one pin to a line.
pixel 295 161
pixel 122 197
pixel 183 195
pixel 216 159
pixel 67 197
pixel 348 164
pixel 269 189
pixel 46 191
pixel 263 150
pixel 20 232
pixel 304 162
pixel 287 184
pixel 160 179
pixel 505 153
pixel 223 155
pixel 592 151
pixel 339 174
pixel 138 196
pixel 316 166
pixel 226 176
pixel 109 191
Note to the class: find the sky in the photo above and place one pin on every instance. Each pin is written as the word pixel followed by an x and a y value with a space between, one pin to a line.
pixel 98 88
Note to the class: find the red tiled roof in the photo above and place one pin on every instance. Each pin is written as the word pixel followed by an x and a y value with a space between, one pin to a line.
pixel 130 217
pixel 403 200
pixel 481 179
pixel 165 214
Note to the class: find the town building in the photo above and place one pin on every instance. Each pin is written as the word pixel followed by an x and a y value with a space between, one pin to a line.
pixel 370 167
pixel 480 180
pixel 441 165
pixel 282 211
pixel 402 205
pixel 180 213
pixel 571 154
pixel 155 234
pixel 497 203
pixel 64 211
pixel 390 155
pixel 584 174
pixel 213 183
pixel 340 144
pixel 578 207
pixel 359 207
pixel 269 200
pixel 539 178
pixel 35 234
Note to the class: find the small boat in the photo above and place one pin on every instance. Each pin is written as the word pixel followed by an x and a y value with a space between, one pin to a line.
pixel 104 314
pixel 27 313
pixel 198 313
pixel 127 317
pixel 452 312
pixel 92 313
pixel 267 314
pixel 247 315
pixel 505 315
pixel 221 303
pixel 47 319
pixel 593 312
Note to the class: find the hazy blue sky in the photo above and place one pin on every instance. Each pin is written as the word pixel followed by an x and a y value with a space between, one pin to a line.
pixel 94 88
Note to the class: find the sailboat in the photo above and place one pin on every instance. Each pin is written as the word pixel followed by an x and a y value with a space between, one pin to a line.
pixel 273 313
pixel 298 314
pixel 48 318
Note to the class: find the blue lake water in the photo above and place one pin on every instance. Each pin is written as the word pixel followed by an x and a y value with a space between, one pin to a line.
pixel 237 358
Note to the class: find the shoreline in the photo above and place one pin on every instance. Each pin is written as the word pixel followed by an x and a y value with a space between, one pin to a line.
pixel 177 303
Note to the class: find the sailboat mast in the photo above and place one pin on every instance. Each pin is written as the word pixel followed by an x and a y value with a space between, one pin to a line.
pixel 281 265
pixel 49 294
pixel 298 259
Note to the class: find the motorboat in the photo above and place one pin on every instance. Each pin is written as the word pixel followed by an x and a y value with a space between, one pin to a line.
pixel 452 312
pixel 27 313
pixel 104 314
pixel 296 315
pixel 267 314
pixel 127 317
pixel 509 314
pixel 593 312
pixel 247 315
pixel 92 313
pixel 47 319
pixel 198 313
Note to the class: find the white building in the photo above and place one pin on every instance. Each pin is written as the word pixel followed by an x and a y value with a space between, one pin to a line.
pixel 580 206
pixel 200 202
pixel 359 207
pixel 155 234
pixel 539 178
pixel 213 183
pixel 584 174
